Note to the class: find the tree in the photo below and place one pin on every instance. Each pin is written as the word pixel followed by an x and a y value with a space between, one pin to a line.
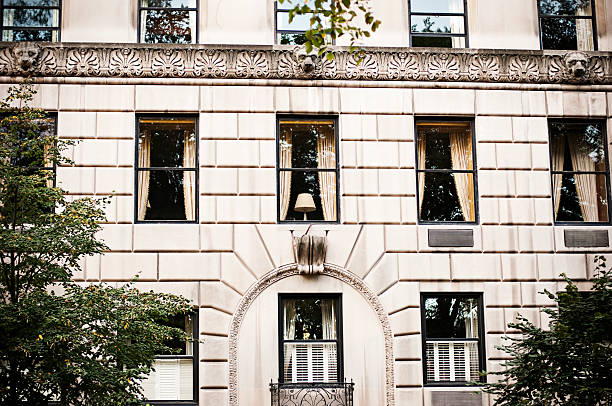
pixel 571 362
pixel 87 345
pixel 332 19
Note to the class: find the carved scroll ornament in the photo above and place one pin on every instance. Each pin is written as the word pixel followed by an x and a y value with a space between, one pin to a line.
pixel 284 62
pixel 310 253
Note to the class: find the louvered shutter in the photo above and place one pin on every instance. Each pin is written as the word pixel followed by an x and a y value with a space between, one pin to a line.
pixel 311 362
pixel 451 361
pixel 171 380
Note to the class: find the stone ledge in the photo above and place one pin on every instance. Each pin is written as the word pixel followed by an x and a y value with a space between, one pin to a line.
pixel 286 62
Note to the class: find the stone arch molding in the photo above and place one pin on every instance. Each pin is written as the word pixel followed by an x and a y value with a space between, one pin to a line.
pixel 286 271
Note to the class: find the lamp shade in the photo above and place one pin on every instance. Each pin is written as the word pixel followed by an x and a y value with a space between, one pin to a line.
pixel 304 203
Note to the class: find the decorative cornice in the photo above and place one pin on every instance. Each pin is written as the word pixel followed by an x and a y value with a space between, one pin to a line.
pixel 286 271
pixel 283 62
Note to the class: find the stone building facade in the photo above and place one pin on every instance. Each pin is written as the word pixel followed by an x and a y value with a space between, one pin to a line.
pixel 387 255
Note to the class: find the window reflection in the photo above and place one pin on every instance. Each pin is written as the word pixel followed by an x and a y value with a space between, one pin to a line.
pixel 429 29
pixel 36 20
pixel 168 21
pixel 567 24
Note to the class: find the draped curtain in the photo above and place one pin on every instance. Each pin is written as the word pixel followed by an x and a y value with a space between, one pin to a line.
pixel 421 151
pixel 189 187
pixel 457 23
pixel 461 154
pixel 144 161
pixel 327 180
pixel 471 321
pixel 586 184
pixel 286 140
pixel 289 332
pixel 584 28
pixel 558 160
pixel 9 17
pixel 328 319
pixel 143 21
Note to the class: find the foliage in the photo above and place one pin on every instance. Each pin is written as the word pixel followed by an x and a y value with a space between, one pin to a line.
pixel 571 362
pixel 332 19
pixel 88 345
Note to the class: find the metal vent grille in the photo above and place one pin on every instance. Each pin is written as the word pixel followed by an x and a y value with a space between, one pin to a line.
pixel 586 238
pixel 447 398
pixel 451 238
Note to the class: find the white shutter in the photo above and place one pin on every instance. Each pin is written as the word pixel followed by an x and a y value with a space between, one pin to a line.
pixel 168 379
pixel 171 380
pixel 310 362
pixel 451 361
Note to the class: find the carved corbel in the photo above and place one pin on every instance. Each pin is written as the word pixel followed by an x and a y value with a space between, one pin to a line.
pixel 577 64
pixel 25 57
pixel 310 252
pixel 307 61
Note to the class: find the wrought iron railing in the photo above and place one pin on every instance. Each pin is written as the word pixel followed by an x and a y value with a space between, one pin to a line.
pixel 312 394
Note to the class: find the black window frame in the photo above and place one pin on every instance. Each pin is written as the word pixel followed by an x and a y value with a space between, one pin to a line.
pixel 32 28
pixel 444 35
pixel 336 170
pixel 602 122
pixel 337 297
pixel 187 9
pixel 196 370
pixel 482 364
pixel 592 17
pixel 473 171
pixel 195 169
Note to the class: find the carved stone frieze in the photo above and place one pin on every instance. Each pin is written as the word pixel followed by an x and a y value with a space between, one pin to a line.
pixel 283 62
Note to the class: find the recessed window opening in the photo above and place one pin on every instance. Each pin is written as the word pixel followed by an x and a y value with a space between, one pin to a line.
pixel 31 20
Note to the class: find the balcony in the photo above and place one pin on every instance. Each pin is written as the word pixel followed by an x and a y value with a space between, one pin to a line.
pixel 308 394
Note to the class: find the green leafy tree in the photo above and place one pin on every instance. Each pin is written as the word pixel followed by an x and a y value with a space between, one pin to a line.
pixel 332 19
pixel 571 362
pixel 86 345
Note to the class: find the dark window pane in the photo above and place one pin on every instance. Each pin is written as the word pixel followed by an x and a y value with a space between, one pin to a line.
pixel 306 319
pixel 166 199
pixel 309 182
pixel 440 201
pixel 565 7
pixel 435 145
pixel 577 146
pixel 168 26
pixel 31 3
pixel 286 38
pixel 184 323
pixel 31 17
pixel 303 139
pixel 438 41
pixel 433 24
pixel 30 35
pixel 436 6
pixel 166 140
pixel 169 3
pixel 559 33
pixel 451 317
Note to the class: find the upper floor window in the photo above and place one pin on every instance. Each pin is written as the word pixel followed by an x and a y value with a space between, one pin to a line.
pixel 567 24
pixel 168 21
pixel 438 23
pixel 294 32
pixel 452 336
pixel 31 20
pixel 174 374
pixel 308 170
pixel 580 177
pixel 166 169
pixel 445 171
pixel 311 338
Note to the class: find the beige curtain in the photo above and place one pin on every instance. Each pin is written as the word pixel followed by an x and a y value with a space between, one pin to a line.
pixel 421 152
pixel 289 350
pixel 558 160
pixel 586 185
pixel 461 157
pixel 189 187
pixel 143 21
pixel 327 180
pixel 144 161
pixel 584 28
pixel 457 24
pixel 328 319
pixel 286 140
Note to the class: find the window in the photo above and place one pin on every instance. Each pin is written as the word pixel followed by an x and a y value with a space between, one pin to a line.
pixel 174 375
pixel 307 169
pixel 445 171
pixel 579 171
pixel 166 169
pixel 438 23
pixel 452 338
pixel 31 20
pixel 291 33
pixel 567 24
pixel 310 338
pixel 168 21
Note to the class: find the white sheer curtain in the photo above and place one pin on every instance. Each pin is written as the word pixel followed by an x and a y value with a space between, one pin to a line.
pixel 289 310
pixel 144 161
pixel 285 149
pixel 327 180
pixel 558 160
pixel 471 321
pixel 9 17
pixel 422 154
pixel 586 184
pixel 461 157
pixel 192 25
pixel 457 23
pixel 328 319
pixel 143 21
pixel 189 187
pixel 584 27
